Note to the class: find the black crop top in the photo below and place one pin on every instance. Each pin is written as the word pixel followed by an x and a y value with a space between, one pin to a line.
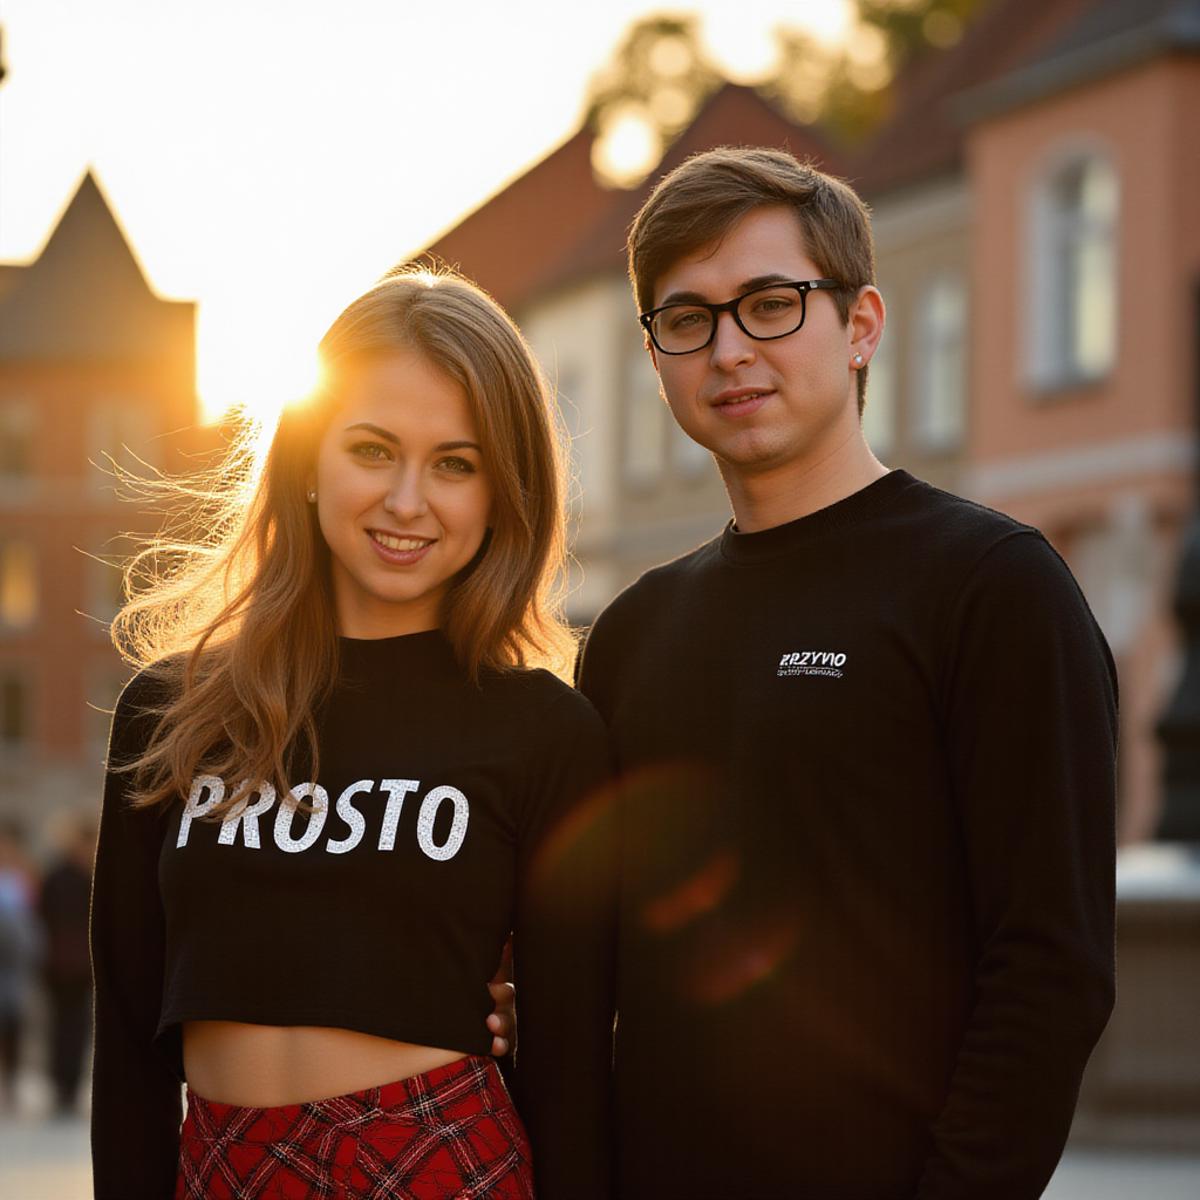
pixel 445 816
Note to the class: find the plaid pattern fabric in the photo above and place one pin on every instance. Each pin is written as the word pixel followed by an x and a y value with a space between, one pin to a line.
pixel 451 1132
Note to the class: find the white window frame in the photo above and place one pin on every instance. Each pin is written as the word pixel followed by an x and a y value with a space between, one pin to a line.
pixel 940 429
pixel 1060 244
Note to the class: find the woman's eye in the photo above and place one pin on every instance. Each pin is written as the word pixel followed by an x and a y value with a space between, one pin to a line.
pixel 457 466
pixel 371 451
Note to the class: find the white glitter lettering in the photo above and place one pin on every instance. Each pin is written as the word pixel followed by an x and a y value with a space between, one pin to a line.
pixel 196 807
pixel 458 826
pixel 316 818
pixel 353 818
pixel 247 817
pixel 396 789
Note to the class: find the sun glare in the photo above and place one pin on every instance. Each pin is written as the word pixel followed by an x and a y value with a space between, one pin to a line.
pixel 829 21
pixel 627 148
pixel 741 37
pixel 259 380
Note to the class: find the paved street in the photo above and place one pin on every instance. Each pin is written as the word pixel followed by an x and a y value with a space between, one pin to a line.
pixel 42 1160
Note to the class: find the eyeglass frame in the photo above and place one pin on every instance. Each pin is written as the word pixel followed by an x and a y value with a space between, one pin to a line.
pixel 803 286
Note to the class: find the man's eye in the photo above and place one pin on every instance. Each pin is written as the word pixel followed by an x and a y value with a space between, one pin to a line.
pixel 686 318
pixel 773 305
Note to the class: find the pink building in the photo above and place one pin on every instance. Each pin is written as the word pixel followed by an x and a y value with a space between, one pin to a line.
pixel 1084 266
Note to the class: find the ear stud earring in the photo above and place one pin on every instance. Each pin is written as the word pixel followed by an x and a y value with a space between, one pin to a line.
pixel 312 495
pixel 858 361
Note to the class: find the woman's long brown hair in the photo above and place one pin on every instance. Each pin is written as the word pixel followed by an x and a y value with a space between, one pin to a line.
pixel 240 623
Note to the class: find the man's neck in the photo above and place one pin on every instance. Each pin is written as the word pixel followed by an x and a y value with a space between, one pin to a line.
pixel 764 499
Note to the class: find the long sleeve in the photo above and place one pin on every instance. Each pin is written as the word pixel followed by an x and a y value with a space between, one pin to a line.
pixel 563 956
pixel 1030 725
pixel 136 1100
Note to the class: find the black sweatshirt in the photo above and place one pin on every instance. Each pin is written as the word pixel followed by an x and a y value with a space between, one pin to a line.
pixel 448 816
pixel 868 854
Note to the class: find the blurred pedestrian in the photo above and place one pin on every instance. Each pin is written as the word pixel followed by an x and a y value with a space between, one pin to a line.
pixel 63 907
pixel 18 953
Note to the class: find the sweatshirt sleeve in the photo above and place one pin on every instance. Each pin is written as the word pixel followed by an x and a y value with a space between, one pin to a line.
pixel 1030 713
pixel 563 956
pixel 136 1101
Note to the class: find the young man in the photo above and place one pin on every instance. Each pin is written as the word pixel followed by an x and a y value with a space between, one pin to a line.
pixel 867 741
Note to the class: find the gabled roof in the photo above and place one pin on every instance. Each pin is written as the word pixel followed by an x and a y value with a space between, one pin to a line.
pixel 557 224
pixel 507 242
pixel 924 138
pixel 1107 37
pixel 85 295
pixel 733 116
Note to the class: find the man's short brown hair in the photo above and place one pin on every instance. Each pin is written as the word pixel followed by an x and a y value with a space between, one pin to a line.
pixel 704 197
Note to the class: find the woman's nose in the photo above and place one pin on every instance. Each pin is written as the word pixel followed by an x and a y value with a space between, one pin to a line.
pixel 406 497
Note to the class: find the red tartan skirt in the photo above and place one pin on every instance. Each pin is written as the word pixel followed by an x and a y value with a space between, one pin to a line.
pixel 450 1132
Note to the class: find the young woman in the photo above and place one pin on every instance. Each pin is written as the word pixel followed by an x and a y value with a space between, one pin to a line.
pixel 337 787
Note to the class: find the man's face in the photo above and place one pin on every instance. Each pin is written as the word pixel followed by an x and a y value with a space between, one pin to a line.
pixel 759 405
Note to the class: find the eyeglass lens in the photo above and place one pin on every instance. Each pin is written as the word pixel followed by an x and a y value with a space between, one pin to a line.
pixel 767 313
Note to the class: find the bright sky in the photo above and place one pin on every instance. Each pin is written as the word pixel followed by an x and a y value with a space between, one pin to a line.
pixel 271 158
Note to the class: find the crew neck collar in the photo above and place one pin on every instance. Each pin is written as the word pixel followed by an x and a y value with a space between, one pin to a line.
pixel 405 648
pixel 766 544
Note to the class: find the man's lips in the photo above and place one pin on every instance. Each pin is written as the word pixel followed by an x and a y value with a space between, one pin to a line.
pixel 739 402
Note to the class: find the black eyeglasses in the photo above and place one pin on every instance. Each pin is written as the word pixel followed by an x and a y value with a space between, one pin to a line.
pixel 766 313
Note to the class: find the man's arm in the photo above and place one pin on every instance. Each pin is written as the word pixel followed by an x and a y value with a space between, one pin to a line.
pixel 1031 726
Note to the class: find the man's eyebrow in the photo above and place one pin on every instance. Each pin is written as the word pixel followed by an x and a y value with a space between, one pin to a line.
pixel 748 285
pixel 388 436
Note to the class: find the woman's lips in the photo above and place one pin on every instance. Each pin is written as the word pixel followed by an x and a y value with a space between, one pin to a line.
pixel 399 550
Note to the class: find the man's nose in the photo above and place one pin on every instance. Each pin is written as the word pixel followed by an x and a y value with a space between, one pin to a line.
pixel 731 345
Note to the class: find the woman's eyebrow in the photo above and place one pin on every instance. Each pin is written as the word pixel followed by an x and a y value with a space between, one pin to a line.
pixel 388 436
pixel 376 430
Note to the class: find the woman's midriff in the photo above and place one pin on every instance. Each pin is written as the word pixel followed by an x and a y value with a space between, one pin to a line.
pixel 264 1066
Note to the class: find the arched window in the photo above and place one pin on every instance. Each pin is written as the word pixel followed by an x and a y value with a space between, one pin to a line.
pixel 1071 307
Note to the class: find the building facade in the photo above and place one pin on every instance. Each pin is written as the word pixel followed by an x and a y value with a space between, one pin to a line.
pixel 96 373
pixel 1037 239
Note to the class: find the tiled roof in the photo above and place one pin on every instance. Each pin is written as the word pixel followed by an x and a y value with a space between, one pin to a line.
pixel 925 136
pixel 557 224
pixel 1108 36
pixel 510 241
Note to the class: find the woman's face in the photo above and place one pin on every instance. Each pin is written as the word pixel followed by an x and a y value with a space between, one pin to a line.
pixel 402 497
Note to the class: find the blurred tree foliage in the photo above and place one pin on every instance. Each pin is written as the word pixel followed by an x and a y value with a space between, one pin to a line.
pixel 659 77
pixel 649 91
pixel 849 89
